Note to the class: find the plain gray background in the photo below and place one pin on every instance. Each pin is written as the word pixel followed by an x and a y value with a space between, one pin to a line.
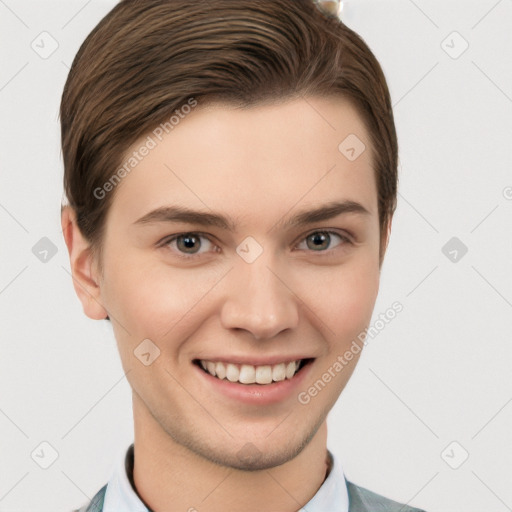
pixel 433 387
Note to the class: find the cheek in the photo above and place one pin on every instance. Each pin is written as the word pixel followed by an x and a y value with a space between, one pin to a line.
pixel 343 299
pixel 360 293
pixel 151 299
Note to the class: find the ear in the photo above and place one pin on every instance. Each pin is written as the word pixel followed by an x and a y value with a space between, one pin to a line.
pixel 83 267
pixel 385 241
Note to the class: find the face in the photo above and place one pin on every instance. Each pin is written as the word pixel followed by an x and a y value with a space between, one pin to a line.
pixel 243 237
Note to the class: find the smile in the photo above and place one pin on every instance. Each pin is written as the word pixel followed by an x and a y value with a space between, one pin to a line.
pixel 249 374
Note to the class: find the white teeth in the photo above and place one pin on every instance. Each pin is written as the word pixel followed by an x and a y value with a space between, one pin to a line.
pixel 211 367
pixel 232 372
pixel 220 370
pixel 249 374
pixel 264 374
pixel 290 369
pixel 279 372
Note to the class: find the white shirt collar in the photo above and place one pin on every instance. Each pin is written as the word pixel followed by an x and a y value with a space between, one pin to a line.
pixel 121 497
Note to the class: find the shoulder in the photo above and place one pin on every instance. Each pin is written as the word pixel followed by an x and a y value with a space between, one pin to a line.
pixel 96 504
pixel 363 500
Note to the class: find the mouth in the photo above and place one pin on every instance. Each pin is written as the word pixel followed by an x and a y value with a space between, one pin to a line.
pixel 248 374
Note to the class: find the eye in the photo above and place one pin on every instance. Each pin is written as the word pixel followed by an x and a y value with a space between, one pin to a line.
pixel 191 244
pixel 188 244
pixel 320 241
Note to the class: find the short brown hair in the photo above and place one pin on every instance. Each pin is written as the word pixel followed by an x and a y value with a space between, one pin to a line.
pixel 146 58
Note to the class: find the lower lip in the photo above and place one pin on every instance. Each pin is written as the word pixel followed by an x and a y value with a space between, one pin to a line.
pixel 258 394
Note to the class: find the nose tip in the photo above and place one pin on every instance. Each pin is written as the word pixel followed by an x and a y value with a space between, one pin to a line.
pixel 260 326
pixel 258 302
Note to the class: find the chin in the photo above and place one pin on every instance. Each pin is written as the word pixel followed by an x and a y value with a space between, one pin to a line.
pixel 252 454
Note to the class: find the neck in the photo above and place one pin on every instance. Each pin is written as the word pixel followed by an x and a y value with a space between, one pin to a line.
pixel 166 472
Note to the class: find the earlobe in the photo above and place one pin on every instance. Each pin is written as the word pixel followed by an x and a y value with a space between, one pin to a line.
pixel 83 268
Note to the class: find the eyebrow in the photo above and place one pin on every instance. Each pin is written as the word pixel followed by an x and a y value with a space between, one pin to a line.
pixel 302 218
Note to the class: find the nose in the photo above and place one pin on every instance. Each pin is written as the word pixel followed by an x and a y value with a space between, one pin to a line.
pixel 259 300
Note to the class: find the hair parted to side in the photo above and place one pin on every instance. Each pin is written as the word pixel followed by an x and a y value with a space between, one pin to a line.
pixel 147 58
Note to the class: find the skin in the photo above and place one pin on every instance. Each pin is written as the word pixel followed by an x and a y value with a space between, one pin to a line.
pixel 257 167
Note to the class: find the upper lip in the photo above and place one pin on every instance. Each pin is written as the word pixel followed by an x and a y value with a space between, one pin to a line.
pixel 253 360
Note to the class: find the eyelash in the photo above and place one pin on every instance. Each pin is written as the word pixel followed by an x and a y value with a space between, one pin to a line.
pixel 168 240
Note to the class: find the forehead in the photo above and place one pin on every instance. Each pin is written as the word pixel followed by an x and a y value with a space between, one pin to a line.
pixel 259 161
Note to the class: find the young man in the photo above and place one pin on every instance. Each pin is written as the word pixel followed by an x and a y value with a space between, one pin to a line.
pixel 231 169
